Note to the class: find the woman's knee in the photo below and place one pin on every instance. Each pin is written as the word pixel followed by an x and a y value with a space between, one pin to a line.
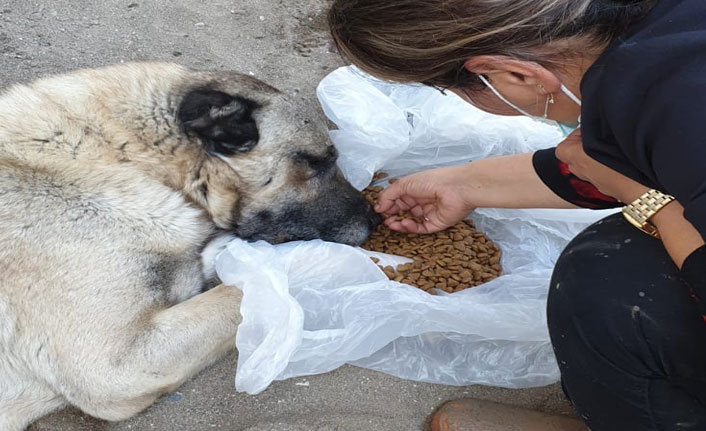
pixel 620 317
pixel 607 269
pixel 615 292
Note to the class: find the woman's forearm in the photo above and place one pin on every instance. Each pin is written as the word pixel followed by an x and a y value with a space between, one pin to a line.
pixel 510 182
pixel 679 236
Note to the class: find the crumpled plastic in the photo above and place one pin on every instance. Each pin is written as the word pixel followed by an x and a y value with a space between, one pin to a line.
pixel 310 307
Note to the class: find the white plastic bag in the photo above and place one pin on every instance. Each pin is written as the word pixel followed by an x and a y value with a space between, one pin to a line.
pixel 310 307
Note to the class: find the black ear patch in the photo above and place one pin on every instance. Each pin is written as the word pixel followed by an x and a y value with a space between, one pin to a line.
pixel 223 122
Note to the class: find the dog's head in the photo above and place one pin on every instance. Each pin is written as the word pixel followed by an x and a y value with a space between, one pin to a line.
pixel 269 171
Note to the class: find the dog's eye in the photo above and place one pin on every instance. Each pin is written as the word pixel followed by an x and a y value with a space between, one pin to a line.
pixel 319 165
pixel 268 182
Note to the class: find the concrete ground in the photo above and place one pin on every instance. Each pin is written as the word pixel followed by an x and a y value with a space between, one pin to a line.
pixel 283 42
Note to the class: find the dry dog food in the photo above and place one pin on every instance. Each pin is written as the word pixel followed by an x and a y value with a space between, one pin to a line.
pixel 452 260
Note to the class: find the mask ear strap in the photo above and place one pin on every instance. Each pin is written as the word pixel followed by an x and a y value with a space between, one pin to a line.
pixel 571 95
pixel 500 96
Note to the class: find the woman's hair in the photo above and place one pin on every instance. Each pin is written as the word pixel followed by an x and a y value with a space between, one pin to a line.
pixel 428 41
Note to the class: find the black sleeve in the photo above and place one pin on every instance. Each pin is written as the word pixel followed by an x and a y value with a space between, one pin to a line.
pixel 645 105
pixel 693 273
pixel 556 175
pixel 672 127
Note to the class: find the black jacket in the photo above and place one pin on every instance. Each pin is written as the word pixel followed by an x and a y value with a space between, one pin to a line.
pixel 644 115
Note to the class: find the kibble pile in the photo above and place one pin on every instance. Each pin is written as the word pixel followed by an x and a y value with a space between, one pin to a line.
pixel 455 259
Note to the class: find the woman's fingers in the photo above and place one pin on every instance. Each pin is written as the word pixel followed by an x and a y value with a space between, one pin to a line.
pixel 425 227
pixel 429 224
pixel 417 211
pixel 388 199
pixel 405 225
pixel 386 206
pixel 407 203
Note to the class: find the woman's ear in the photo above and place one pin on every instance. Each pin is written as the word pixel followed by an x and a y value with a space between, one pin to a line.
pixel 501 70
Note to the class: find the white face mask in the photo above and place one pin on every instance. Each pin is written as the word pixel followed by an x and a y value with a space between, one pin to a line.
pixel 566 129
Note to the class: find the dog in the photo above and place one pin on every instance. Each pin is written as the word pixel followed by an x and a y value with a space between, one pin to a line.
pixel 118 186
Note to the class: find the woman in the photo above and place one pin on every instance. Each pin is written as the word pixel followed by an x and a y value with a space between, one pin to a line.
pixel 623 309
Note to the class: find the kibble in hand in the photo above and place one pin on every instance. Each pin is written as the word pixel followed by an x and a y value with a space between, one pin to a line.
pixel 452 260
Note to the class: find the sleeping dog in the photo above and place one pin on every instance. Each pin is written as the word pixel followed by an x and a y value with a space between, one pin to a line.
pixel 118 186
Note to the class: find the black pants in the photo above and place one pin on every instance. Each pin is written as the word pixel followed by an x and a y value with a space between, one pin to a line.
pixel 628 338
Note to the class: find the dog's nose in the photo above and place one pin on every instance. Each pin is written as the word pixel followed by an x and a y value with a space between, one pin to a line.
pixel 374 219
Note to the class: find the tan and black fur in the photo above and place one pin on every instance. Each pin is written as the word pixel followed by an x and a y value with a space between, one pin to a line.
pixel 117 187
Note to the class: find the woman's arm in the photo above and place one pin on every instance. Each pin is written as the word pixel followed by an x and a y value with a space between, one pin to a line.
pixel 447 195
pixel 510 182
pixel 680 237
pixel 443 197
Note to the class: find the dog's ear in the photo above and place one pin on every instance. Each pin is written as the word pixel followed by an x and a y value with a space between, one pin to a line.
pixel 223 122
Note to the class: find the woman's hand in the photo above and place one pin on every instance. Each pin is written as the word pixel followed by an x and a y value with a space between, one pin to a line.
pixel 437 196
pixel 605 179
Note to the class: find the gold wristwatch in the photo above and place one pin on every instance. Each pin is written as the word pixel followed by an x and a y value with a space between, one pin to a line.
pixel 644 208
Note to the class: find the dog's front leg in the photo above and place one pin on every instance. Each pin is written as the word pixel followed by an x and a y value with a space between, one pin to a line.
pixel 209 255
pixel 193 334
pixel 169 347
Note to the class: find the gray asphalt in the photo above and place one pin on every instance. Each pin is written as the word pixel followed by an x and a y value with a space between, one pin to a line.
pixel 285 44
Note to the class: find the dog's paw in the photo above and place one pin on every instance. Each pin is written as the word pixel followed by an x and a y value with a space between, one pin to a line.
pixel 210 253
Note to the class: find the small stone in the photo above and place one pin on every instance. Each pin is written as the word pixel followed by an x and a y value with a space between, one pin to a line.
pixel 176 396
pixel 200 24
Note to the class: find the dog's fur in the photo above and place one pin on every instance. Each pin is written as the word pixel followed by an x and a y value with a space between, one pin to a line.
pixel 112 183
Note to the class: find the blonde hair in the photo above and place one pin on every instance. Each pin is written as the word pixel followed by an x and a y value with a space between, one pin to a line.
pixel 428 41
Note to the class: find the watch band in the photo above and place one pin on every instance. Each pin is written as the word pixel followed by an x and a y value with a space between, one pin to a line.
pixel 639 212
